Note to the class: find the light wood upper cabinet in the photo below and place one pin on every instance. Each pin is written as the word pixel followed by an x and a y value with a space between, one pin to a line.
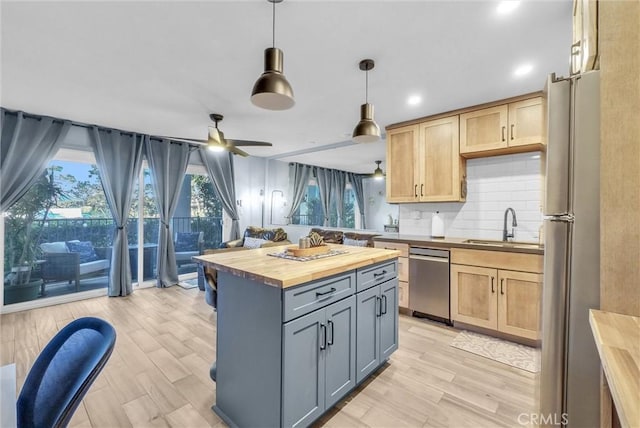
pixel 525 122
pixel 487 293
pixel 441 166
pixel 423 162
pixel 483 130
pixel 507 128
pixel 403 154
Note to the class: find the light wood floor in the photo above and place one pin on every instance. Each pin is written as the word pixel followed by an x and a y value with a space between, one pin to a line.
pixel 158 374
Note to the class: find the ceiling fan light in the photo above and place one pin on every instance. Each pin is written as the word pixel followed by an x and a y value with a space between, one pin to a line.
pixel 215 142
pixel 367 130
pixel 272 91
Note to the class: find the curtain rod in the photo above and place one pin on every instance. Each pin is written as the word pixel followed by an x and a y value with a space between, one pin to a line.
pixel 340 170
pixel 89 126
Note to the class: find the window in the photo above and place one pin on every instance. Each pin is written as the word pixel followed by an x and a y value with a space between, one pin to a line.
pixel 58 235
pixel 310 213
pixel 197 221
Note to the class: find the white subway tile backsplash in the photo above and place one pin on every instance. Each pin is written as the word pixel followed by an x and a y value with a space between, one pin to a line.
pixel 493 185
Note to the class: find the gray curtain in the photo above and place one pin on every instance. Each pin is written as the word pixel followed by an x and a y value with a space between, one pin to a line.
pixel 27 144
pixel 119 158
pixel 324 178
pixel 299 180
pixel 339 182
pixel 168 164
pixel 219 166
pixel 356 185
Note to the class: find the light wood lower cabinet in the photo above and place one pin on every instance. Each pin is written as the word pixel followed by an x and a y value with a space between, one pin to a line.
pixel 403 269
pixel 473 296
pixel 497 299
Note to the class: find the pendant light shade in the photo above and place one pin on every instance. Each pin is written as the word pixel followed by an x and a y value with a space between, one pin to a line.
pixel 272 91
pixel 367 130
pixel 377 173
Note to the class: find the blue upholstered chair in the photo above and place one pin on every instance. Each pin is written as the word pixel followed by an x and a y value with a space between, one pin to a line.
pixel 63 373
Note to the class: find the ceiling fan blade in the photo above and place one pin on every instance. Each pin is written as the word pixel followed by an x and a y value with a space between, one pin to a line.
pixel 241 143
pixel 237 151
pixel 185 140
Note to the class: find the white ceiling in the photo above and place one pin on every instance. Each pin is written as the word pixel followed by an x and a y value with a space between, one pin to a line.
pixel 161 67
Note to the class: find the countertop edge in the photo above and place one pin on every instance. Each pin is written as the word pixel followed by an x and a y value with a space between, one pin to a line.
pixel 626 406
pixel 454 243
pixel 301 279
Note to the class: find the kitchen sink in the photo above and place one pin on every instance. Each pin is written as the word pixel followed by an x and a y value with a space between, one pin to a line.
pixel 509 244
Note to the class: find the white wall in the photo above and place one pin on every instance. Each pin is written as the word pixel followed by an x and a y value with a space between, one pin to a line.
pixel 493 184
pixel 377 210
pixel 250 180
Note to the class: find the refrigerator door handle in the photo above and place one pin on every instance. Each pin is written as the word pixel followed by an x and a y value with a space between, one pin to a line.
pixel 558 118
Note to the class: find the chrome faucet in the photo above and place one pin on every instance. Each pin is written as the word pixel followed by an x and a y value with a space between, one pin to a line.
pixel 506 235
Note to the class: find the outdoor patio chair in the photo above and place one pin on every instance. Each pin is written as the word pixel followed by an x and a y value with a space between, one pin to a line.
pixel 71 260
pixel 187 245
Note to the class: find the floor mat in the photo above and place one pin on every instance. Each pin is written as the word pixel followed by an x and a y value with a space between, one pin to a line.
pixel 189 283
pixel 513 354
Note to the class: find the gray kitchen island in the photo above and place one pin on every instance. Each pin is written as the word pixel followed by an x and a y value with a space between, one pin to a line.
pixel 295 337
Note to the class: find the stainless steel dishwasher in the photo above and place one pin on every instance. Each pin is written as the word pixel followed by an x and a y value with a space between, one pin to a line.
pixel 429 283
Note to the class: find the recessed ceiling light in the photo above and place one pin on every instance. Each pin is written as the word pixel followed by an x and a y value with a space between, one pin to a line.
pixel 506 7
pixel 522 70
pixel 414 100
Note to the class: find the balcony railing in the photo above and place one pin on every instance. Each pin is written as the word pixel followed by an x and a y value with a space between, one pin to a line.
pixel 100 230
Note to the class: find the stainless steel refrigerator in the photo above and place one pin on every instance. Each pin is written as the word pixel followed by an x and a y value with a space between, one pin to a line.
pixel 570 372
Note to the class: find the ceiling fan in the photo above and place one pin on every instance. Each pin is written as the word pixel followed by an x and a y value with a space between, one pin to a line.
pixel 377 173
pixel 216 141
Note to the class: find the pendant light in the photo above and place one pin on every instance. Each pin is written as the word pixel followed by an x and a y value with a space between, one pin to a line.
pixel 377 173
pixel 367 130
pixel 272 91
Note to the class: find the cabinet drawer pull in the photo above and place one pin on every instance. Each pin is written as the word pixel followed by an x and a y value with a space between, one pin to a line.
pixel 504 128
pixel 382 312
pixel 501 284
pixel 493 290
pixel 323 337
pixel 330 325
pixel 378 306
pixel 512 131
pixel 383 273
pixel 415 190
pixel 422 190
pixel 324 293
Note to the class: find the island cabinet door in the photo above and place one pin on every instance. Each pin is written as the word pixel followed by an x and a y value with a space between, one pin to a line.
pixel 388 318
pixel 368 328
pixel 303 374
pixel 340 354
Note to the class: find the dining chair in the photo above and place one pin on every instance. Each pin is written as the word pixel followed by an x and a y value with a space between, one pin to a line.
pixel 63 373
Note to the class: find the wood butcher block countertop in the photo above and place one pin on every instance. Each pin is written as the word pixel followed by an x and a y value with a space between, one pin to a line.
pixel 618 341
pixel 258 265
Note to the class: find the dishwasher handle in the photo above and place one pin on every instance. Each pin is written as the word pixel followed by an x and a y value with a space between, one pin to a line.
pixel 430 258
